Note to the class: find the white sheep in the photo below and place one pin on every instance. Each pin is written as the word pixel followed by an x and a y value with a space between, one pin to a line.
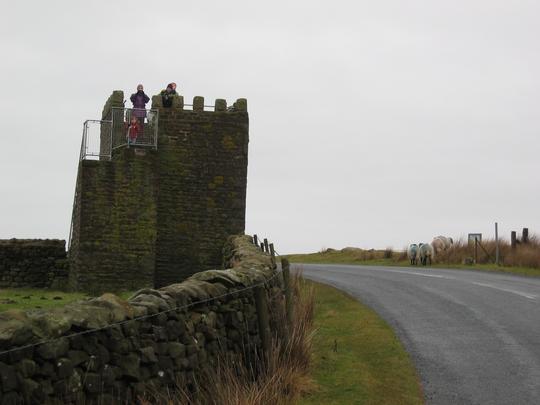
pixel 441 243
pixel 412 253
pixel 426 252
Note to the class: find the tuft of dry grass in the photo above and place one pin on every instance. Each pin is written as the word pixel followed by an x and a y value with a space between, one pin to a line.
pixel 278 378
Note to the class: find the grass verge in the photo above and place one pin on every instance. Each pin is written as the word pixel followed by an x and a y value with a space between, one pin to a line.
pixel 357 359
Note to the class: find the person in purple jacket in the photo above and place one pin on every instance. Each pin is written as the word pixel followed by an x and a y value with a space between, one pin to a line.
pixel 139 101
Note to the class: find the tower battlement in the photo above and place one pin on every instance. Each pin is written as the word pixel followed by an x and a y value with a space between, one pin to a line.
pixel 220 105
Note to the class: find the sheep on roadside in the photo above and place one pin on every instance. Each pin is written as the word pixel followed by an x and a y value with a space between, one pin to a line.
pixel 426 252
pixel 441 243
pixel 412 253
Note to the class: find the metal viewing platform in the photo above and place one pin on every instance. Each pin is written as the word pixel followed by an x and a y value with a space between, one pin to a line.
pixel 128 127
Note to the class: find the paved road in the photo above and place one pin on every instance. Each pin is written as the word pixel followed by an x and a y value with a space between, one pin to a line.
pixel 473 336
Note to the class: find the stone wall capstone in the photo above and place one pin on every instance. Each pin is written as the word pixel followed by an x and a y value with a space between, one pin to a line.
pixel 156 338
pixel 33 263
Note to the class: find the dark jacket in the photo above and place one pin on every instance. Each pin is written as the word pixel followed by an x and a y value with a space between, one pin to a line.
pixel 167 96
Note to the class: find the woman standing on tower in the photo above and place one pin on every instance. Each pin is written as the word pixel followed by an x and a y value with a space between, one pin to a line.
pixel 139 100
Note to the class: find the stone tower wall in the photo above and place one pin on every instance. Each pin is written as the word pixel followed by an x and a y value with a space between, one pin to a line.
pixel 202 167
pixel 154 217
pixel 113 243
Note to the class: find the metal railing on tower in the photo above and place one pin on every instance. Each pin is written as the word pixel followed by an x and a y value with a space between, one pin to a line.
pixel 126 127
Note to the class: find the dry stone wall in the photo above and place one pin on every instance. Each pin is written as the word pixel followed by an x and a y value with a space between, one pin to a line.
pixel 36 263
pixel 156 338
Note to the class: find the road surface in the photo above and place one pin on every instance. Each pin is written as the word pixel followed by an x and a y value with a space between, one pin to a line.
pixel 474 337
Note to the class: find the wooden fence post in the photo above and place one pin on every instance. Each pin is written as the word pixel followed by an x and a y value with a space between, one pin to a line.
pixel 513 239
pixel 273 255
pixel 497 254
pixel 285 267
pixel 475 250
pixel 262 246
pixel 255 240
pixel 525 235
pixel 261 304
pixel 266 249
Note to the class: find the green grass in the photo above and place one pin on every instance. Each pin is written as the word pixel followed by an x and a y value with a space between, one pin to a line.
pixel 338 257
pixel 357 359
pixel 523 271
pixel 30 298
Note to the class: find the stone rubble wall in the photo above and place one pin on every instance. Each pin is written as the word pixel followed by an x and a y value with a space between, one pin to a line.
pixel 33 263
pixel 152 339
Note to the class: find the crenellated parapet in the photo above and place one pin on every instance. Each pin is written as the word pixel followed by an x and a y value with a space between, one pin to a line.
pixel 198 105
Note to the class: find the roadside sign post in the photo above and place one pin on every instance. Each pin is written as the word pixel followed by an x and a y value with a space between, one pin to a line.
pixel 496 243
pixel 475 250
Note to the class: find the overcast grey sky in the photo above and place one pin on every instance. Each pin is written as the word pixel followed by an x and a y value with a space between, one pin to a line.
pixel 372 123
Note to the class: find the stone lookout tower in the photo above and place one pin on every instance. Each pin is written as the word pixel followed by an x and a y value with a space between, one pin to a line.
pixel 153 211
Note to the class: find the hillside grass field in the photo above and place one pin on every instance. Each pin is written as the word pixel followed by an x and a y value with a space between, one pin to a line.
pixel 33 298
pixel 357 358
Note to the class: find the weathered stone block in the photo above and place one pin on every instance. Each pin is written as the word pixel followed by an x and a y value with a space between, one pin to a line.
pixel 92 383
pixel 8 377
pixel 148 355
pixel 11 398
pixel 64 367
pixel 176 349
pixel 77 357
pixel 221 105
pixel 129 366
pixel 53 349
pixel 198 103
pixel 26 367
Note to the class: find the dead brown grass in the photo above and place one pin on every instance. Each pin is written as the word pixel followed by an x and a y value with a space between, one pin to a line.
pixel 524 259
pixel 278 378
pixel 524 255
